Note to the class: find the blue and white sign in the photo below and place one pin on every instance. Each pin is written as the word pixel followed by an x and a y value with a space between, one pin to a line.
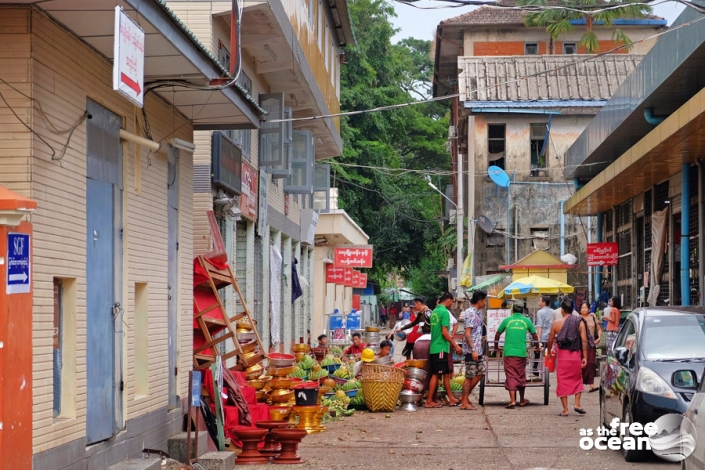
pixel 19 268
pixel 196 389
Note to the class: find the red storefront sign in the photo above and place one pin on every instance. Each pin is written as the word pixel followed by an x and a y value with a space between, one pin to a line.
pixel 248 197
pixel 334 275
pixel 362 281
pixel 347 277
pixel 355 278
pixel 602 254
pixel 353 256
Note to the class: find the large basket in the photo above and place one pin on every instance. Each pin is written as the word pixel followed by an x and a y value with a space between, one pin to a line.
pixel 381 373
pixel 380 395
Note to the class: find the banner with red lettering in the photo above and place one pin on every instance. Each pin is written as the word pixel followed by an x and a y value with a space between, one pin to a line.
pixel 353 256
pixel 602 254
pixel 355 278
pixel 362 281
pixel 356 302
pixel 347 277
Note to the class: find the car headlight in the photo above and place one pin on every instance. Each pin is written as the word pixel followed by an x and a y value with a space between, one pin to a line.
pixel 650 382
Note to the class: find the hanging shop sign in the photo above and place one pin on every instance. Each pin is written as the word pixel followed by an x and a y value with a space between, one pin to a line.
pixel 248 196
pixel 263 201
pixel 351 256
pixel 355 282
pixel 226 164
pixel 334 275
pixel 347 277
pixel 602 254
pixel 128 51
pixel 362 281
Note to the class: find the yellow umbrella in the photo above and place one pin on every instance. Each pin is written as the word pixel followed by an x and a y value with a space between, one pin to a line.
pixel 536 285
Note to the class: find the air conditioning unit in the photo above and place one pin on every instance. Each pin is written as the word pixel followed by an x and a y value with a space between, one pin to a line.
pixel 451 132
pixel 538 132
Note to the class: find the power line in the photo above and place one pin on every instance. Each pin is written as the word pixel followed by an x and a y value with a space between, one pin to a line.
pixel 495 85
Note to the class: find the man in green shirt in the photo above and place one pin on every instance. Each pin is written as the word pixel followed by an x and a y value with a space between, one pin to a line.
pixel 515 328
pixel 441 340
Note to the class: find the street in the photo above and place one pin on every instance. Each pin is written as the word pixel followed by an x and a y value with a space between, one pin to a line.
pixel 448 438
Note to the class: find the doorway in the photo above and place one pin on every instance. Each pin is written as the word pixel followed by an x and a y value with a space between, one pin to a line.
pixel 103 273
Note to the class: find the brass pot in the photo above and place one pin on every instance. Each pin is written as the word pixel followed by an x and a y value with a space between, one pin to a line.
pixel 279 413
pixel 299 356
pixel 254 372
pixel 248 347
pixel 304 348
pixel 256 384
pixel 280 383
pixel 280 371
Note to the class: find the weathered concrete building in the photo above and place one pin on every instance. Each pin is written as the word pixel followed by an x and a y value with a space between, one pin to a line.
pixel 639 168
pixel 523 100
pixel 112 244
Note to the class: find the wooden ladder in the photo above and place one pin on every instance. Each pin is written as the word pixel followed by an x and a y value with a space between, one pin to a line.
pixel 217 279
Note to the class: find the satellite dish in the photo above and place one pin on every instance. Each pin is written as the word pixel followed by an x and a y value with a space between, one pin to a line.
pixel 485 224
pixel 498 176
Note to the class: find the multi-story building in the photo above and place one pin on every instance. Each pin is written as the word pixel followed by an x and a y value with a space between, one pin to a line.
pixel 523 99
pixel 108 313
pixel 640 172
pixel 269 206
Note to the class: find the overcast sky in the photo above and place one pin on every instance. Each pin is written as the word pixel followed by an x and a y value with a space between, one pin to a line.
pixel 421 24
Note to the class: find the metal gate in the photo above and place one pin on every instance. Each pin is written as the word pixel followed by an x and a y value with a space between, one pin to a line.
pixel 661 201
pixel 241 263
pixel 625 277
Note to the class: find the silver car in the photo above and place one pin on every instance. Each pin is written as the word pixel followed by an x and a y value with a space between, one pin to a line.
pixel 696 414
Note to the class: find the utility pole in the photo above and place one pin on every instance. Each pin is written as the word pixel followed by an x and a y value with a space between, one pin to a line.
pixel 459 224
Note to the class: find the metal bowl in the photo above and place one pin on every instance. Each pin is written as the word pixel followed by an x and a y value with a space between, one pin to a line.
pixel 249 347
pixel 256 384
pixel 245 337
pixel 414 373
pixel 384 361
pixel 280 383
pixel 400 335
pixel 281 360
pixel 304 348
pixel 417 363
pixel 279 413
pixel 407 396
pixel 261 396
pixel 281 396
pixel 280 371
pixel 254 372
pixel 371 329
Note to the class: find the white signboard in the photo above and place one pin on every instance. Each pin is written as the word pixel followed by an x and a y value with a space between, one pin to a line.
pixel 128 58
pixel 494 318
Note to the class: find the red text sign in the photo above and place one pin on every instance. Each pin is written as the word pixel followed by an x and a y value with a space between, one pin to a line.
pixel 353 256
pixel 334 275
pixel 355 278
pixel 602 254
pixel 348 276
pixel 356 302
pixel 362 281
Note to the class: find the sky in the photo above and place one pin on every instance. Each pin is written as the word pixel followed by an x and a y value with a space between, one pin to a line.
pixel 421 24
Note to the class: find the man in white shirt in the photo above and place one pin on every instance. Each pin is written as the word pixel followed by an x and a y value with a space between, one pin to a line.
pixel 558 313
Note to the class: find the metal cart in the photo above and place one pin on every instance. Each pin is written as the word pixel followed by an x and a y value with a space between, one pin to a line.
pixel 494 374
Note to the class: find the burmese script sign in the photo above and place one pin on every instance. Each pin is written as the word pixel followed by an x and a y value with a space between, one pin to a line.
pixel 602 254
pixel 353 256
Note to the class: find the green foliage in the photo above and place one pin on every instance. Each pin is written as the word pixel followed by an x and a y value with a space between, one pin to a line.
pixel 557 21
pixel 386 154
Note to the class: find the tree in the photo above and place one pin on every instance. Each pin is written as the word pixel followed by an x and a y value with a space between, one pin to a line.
pixel 557 21
pixel 386 154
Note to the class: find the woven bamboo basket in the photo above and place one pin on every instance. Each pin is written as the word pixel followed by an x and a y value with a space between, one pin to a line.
pixel 381 386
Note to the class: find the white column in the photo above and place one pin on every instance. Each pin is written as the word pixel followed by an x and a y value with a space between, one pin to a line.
pixel 264 331
pixel 300 304
pixel 286 295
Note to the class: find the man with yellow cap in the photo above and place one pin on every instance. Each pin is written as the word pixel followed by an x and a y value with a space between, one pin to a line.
pixel 367 356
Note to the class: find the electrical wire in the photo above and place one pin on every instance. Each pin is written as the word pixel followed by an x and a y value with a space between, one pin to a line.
pixel 495 85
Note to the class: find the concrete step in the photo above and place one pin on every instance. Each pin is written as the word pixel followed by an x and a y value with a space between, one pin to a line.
pixel 218 460
pixel 176 445
pixel 151 463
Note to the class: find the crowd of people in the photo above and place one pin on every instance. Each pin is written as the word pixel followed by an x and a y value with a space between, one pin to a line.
pixel 572 335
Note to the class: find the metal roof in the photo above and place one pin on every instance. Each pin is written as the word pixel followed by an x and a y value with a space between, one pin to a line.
pixel 522 78
pixel 671 73
pixel 536 104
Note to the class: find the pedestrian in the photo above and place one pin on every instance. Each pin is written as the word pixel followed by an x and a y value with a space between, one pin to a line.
pixel 423 342
pixel 356 348
pixel 613 317
pixel 594 331
pixel 544 320
pixel 472 347
pixel 383 315
pixel 367 356
pixel 406 313
pixel 420 315
pixel 441 342
pixel 570 335
pixel 515 328
pixel 558 312
pixel 322 341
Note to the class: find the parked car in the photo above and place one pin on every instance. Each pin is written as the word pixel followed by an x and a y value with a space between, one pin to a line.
pixel 696 414
pixel 644 374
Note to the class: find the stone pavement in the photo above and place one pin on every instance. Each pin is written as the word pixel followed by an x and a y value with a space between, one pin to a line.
pixel 492 437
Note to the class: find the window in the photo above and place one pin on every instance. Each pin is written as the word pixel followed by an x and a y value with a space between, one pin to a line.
pixel 327 52
pixel 495 239
pixel 243 137
pixel 570 48
pixel 223 55
pixel 531 48
pixel 319 29
pixel 64 348
pixel 496 137
pixel 302 161
pixel 539 238
pixel 321 187
pixel 538 151
pixel 311 14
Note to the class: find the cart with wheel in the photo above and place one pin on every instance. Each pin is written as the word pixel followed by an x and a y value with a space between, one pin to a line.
pixel 537 376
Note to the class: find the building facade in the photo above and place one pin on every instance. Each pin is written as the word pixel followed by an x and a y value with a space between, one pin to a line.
pixel 290 64
pixel 638 170
pixel 514 114
pixel 112 242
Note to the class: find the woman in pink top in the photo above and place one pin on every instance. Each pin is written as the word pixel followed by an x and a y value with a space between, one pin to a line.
pixel 613 321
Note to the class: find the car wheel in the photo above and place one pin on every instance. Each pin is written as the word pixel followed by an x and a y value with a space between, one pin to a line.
pixel 629 455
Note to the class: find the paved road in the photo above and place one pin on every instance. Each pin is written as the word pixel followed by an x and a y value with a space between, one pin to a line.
pixel 448 438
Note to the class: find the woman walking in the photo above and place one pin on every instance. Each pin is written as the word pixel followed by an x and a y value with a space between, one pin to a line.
pixel 594 331
pixel 613 321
